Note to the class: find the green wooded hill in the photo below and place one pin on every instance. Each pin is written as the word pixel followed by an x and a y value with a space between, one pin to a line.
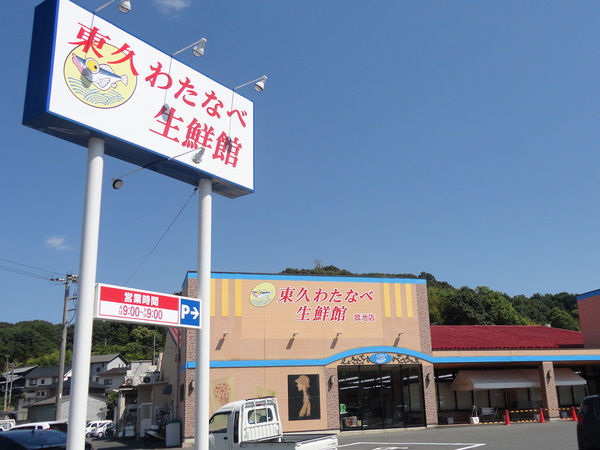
pixel 37 342
pixel 481 306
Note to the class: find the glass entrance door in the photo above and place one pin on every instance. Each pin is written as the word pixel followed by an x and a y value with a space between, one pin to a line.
pixel 374 397
pixel 370 396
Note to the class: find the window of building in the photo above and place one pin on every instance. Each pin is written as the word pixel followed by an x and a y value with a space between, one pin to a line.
pixel 108 382
pixel 497 398
pixel 570 395
pixel 446 398
pixel 33 382
pixel 464 399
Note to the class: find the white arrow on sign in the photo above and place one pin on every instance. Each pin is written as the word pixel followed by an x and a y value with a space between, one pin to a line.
pixel 185 309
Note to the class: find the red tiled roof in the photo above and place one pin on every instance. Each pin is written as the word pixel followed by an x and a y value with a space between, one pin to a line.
pixel 502 337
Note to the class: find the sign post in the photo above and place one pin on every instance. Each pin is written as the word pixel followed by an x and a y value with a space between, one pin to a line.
pixel 203 336
pixel 82 341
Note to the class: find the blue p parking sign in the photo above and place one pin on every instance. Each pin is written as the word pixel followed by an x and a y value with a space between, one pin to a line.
pixel 189 313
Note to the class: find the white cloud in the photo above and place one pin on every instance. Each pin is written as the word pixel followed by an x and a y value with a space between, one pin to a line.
pixel 172 7
pixel 58 243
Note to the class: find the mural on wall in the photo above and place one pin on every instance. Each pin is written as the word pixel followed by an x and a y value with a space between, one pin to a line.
pixel 304 401
pixel 222 391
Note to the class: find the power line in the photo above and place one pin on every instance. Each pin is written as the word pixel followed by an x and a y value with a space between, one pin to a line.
pixel 25 265
pixel 161 238
pixel 50 273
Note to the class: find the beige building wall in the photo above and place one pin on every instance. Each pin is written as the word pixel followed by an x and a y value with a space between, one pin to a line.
pixel 292 325
pixel 589 318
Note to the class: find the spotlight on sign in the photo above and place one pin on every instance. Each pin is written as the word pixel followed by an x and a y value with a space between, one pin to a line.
pixel 124 6
pixel 198 48
pixel 197 157
pixel 259 84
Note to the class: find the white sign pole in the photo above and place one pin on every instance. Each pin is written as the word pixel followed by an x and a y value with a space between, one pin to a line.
pixel 82 343
pixel 203 335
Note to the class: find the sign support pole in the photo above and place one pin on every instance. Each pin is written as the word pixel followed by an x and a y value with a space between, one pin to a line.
pixel 203 335
pixel 82 343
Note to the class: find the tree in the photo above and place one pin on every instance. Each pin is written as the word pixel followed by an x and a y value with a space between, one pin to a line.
pixel 499 310
pixel 111 404
pixel 464 307
pixel 562 319
pixel 130 340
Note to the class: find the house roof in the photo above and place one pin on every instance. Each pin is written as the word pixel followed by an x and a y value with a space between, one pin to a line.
pixel 115 371
pixel 45 372
pixel 66 398
pixel 19 371
pixel 104 358
pixel 502 337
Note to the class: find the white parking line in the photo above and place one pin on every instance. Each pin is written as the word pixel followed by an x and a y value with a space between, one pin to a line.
pixel 394 445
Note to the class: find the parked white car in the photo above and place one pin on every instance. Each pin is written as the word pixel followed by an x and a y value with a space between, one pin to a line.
pixel 55 424
pixel 100 430
pixel 93 424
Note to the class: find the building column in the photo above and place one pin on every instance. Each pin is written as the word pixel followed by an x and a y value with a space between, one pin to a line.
pixel 548 387
pixel 333 398
pixel 430 398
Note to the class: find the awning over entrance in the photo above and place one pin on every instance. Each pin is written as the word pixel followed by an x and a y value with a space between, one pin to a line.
pixel 566 377
pixel 470 380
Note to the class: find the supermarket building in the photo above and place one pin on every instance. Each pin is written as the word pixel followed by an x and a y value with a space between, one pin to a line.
pixel 352 353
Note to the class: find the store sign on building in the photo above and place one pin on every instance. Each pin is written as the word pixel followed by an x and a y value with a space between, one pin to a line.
pixel 336 300
pixel 149 308
pixel 89 78
pixel 381 358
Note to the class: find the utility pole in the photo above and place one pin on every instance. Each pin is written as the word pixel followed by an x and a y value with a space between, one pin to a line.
pixel 6 382
pixel 12 378
pixel 63 343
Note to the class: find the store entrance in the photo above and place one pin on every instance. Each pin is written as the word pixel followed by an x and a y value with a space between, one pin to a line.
pixel 380 396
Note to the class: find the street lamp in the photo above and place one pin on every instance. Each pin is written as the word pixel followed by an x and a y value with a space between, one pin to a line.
pixel 124 6
pixel 198 48
pixel 258 87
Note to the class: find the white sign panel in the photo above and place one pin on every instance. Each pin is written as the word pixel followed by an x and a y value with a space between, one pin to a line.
pixel 153 110
pixel 149 308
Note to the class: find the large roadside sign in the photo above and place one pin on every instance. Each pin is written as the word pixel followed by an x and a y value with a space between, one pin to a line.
pixel 89 78
pixel 150 308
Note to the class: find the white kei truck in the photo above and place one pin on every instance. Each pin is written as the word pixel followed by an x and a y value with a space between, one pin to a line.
pixel 255 423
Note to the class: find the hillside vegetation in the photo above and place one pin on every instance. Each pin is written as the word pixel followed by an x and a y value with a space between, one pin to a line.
pixel 37 342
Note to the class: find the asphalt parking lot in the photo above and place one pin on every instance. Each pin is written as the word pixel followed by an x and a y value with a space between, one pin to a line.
pixel 532 435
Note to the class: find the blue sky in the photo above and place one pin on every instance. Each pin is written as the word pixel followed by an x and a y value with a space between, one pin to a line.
pixel 456 138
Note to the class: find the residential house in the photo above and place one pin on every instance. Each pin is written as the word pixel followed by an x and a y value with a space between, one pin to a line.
pixel 13 384
pixel 103 363
pixel 44 410
pixel 113 378
pixel 14 380
pixel 137 405
pixel 41 385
